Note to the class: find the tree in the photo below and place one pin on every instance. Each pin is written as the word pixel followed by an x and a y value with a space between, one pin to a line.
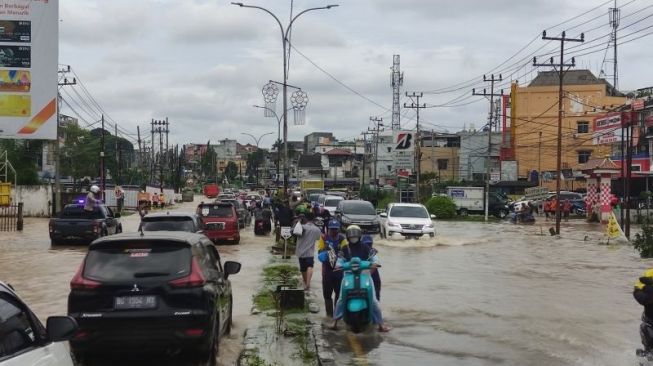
pixel 80 155
pixel 231 171
pixel 254 161
pixel 23 156
pixel 208 161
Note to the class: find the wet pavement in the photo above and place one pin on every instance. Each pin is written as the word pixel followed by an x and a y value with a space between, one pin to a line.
pixel 41 275
pixel 476 294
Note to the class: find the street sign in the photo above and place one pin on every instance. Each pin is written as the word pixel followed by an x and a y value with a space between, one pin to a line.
pixel 638 104
pixel 495 176
pixel 286 232
pixel 404 160
pixel 29 58
pixel 403 173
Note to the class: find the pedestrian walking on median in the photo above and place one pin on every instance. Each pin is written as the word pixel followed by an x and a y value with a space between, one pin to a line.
pixel 305 250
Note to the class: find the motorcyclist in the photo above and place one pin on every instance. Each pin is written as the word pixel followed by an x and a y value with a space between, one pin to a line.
pixel 362 249
pixel 327 248
pixel 643 293
pixel 267 217
pixel 92 199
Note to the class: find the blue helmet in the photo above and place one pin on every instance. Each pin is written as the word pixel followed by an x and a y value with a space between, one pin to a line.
pixel 333 224
pixel 367 240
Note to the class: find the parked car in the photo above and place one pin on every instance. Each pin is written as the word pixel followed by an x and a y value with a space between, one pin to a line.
pixel 160 291
pixel 76 225
pixel 472 200
pixel 361 213
pixel 23 338
pixel 331 203
pixel 171 221
pixel 244 215
pixel 220 221
pixel 211 190
pixel 564 195
pixel 407 219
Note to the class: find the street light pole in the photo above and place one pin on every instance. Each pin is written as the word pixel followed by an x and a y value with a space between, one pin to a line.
pixel 257 141
pixel 278 135
pixel 284 42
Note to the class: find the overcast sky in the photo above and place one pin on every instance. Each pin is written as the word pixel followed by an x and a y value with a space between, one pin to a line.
pixel 202 63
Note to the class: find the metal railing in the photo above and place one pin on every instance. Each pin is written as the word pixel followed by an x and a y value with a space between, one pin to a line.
pixel 11 217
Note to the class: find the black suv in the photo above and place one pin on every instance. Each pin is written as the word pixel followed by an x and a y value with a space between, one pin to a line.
pixel 156 291
pixel 358 212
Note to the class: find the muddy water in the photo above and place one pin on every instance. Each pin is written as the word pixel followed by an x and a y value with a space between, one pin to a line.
pixel 502 294
pixel 41 275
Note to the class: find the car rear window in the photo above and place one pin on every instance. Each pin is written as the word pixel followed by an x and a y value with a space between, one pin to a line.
pixel 332 202
pixel 358 208
pixel 409 211
pixel 217 211
pixel 138 261
pixel 168 223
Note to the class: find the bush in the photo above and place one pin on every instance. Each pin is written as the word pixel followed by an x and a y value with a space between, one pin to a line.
pixel 643 242
pixel 442 207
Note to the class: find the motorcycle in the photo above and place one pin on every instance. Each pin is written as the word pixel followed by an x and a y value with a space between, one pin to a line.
pixel 261 227
pixel 319 222
pixel 357 293
pixel 518 218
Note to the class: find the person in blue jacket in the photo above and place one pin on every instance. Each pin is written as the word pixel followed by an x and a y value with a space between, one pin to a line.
pixel 327 248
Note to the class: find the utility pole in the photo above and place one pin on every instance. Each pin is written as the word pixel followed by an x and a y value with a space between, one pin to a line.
pixel 116 179
pixel 364 133
pixel 102 163
pixel 491 80
pixel 433 155
pixel 418 154
pixel 139 157
pixel 57 148
pixel 378 124
pixel 560 68
pixel 539 161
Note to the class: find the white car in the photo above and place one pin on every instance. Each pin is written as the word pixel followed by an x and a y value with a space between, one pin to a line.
pixel 407 219
pixel 331 203
pixel 25 341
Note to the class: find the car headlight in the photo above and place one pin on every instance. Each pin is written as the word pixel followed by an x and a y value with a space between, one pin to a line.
pixel 390 223
pixel 346 220
pixel 428 226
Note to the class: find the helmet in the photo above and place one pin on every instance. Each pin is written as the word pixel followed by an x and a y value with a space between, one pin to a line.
pixel 367 240
pixel 353 233
pixel 333 224
pixel 95 189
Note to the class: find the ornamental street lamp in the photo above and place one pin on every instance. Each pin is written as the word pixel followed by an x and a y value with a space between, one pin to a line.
pixel 257 141
pixel 284 43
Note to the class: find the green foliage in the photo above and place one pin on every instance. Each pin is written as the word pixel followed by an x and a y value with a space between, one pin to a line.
pixel 643 241
pixel 231 171
pixel 23 156
pixel 442 207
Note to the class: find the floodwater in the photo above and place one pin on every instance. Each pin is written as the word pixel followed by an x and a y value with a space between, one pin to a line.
pixel 41 276
pixel 502 294
pixel 476 294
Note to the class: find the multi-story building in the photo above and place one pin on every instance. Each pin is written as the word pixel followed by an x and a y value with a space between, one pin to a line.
pixel 473 155
pixel 531 134
pixel 440 155
pixel 316 138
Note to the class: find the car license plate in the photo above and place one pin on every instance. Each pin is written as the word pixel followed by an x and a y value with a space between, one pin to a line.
pixel 134 302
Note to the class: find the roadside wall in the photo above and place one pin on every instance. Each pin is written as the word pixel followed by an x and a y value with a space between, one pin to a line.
pixel 35 199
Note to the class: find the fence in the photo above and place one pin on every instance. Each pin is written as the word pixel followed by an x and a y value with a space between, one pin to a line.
pixel 11 217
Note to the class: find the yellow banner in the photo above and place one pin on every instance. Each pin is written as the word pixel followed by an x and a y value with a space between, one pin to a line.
pixel 613 230
pixel 15 105
pixel 15 81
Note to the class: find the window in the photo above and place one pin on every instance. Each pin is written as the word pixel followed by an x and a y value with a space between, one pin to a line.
pixel 584 156
pixel 389 167
pixel 16 331
pixel 389 149
pixel 583 126
pixel 442 164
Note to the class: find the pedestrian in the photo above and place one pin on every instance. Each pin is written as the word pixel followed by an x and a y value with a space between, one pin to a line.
pixel 328 247
pixel 155 200
pixel 554 208
pixel 92 199
pixel 284 218
pixel 566 209
pixel 305 250
pixel 547 209
pixel 120 198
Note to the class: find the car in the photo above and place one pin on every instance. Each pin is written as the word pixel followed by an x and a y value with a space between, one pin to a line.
pixel 162 291
pixel 331 203
pixel 407 219
pixel 76 225
pixel 23 338
pixel 251 200
pixel 564 195
pixel 357 212
pixel 171 221
pixel 220 221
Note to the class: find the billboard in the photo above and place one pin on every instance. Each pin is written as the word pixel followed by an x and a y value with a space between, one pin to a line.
pixel 403 150
pixel 607 129
pixel 29 56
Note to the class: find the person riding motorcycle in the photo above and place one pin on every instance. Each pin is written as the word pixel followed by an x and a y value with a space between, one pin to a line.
pixel 327 248
pixel 643 293
pixel 362 250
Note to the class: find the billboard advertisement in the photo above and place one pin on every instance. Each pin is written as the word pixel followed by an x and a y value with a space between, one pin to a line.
pixel 607 129
pixel 29 56
pixel 403 149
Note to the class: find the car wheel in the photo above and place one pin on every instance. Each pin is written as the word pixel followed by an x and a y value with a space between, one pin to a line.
pixel 237 240
pixel 209 356
pixel 382 233
pixel 231 311
pixel 119 229
pixel 53 243
pixel 502 214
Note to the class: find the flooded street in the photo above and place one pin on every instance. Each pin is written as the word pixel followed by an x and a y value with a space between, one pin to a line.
pixel 477 294
pixel 41 275
pixel 502 294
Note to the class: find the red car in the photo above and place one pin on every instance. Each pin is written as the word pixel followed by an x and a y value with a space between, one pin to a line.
pixel 211 190
pixel 220 221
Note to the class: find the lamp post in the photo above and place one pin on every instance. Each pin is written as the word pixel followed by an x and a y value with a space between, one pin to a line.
pixel 284 42
pixel 274 113
pixel 257 141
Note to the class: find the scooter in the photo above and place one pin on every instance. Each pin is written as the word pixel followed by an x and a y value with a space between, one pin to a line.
pixel 261 227
pixel 357 292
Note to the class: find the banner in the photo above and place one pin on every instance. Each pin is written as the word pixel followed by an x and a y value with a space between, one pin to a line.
pixel 29 56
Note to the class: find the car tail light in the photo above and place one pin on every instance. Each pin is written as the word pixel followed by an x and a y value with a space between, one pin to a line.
pixel 80 283
pixel 194 279
pixel 51 226
pixel 193 332
pixel 96 227
pixel 81 334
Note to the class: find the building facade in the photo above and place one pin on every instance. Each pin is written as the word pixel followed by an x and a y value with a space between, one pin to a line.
pixel 317 138
pixel 440 155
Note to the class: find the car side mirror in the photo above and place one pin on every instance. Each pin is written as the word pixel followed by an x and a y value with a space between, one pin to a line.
pixel 432 217
pixel 230 268
pixel 383 214
pixel 117 215
pixel 61 328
